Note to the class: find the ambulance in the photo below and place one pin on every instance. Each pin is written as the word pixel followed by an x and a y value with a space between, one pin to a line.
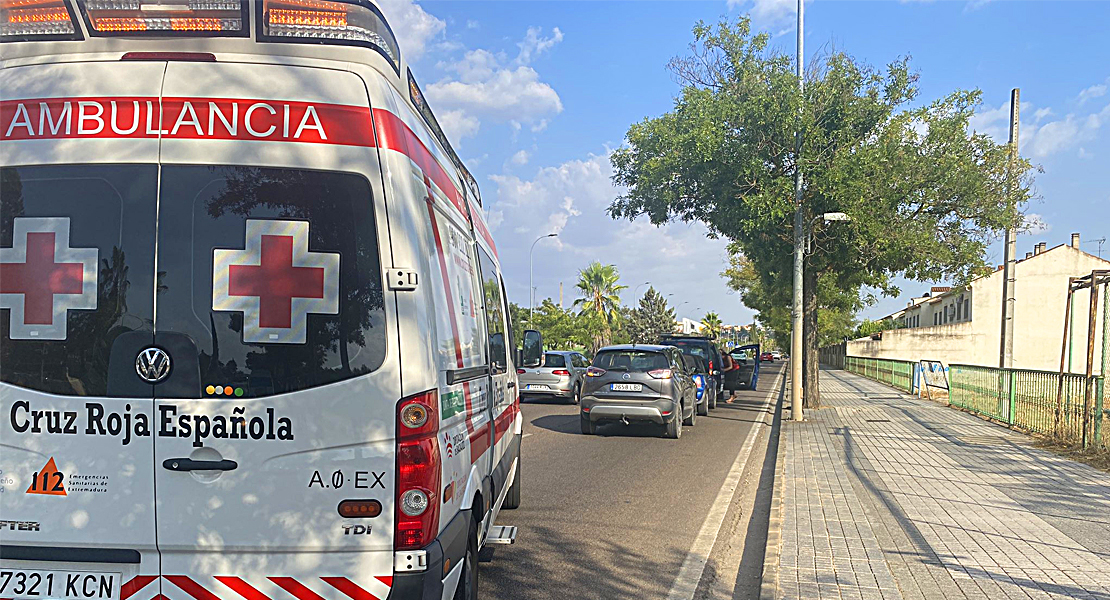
pixel 254 337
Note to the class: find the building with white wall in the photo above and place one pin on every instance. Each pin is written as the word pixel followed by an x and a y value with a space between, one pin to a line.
pixel 963 326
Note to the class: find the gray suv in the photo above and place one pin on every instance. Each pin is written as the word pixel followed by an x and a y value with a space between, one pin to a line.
pixel 639 383
pixel 559 376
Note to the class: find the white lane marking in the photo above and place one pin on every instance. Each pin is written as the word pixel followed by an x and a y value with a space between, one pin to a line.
pixel 525 435
pixel 689 576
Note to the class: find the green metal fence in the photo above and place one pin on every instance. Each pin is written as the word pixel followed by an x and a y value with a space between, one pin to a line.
pixel 1031 399
pixel 895 373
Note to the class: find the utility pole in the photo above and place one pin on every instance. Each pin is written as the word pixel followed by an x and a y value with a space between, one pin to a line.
pixel 560 294
pixel 796 321
pixel 1009 274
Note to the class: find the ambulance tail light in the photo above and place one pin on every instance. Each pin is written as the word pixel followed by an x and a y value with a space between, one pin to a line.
pixel 166 18
pixel 32 20
pixel 416 509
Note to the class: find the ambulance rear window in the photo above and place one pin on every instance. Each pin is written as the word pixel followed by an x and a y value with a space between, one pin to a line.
pixel 76 275
pixel 273 274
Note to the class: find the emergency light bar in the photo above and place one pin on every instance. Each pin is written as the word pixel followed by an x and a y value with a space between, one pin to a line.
pixel 24 20
pixel 344 22
pixel 216 18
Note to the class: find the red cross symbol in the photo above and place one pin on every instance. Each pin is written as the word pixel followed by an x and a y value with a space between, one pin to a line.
pixel 42 278
pixel 275 282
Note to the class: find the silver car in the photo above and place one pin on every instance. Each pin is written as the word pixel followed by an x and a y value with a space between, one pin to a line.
pixel 559 376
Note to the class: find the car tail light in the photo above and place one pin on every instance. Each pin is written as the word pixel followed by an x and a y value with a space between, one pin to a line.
pixel 416 510
pixel 661 373
pixel 335 21
pixel 166 17
pixel 594 372
pixel 560 372
pixel 520 371
pixel 27 20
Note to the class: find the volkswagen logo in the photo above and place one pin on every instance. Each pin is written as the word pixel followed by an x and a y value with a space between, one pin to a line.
pixel 152 365
pixel 626 377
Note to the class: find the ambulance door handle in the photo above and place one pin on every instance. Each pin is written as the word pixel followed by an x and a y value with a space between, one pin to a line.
pixel 188 464
pixel 512 384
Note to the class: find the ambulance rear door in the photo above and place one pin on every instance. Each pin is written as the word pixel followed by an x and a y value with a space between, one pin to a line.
pixel 278 419
pixel 77 220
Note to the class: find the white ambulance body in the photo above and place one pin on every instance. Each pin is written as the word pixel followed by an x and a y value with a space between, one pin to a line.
pixel 254 341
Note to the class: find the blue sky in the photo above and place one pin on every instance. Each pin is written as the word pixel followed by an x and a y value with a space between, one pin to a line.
pixel 534 95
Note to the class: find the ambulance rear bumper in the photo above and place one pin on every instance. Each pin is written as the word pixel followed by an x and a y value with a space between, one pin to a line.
pixel 428 584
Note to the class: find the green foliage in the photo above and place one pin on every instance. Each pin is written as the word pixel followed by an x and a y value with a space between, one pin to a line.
pixel 651 319
pixel 599 288
pixel 868 327
pixel 711 324
pixel 925 196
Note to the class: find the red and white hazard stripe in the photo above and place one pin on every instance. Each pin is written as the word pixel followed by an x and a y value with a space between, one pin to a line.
pixel 233 587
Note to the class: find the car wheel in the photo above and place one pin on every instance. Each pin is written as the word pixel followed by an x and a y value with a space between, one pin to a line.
pixel 577 397
pixel 673 430
pixel 703 408
pixel 693 415
pixel 512 497
pixel 712 403
pixel 587 425
pixel 468 581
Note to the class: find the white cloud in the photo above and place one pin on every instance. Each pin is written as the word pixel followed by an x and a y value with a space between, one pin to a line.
pixel 471 24
pixel 487 85
pixel 1034 224
pixel 570 199
pixel 1037 138
pixel 412 25
pixel 458 125
pixel 534 44
pixel 767 11
pixel 501 94
pixel 520 158
pixel 1095 91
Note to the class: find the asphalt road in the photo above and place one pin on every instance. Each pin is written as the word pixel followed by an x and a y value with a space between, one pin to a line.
pixel 614 515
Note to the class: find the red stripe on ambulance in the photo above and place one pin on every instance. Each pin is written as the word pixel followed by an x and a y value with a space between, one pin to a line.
pixel 242 588
pixel 136 584
pixel 350 588
pixel 296 588
pixel 187 119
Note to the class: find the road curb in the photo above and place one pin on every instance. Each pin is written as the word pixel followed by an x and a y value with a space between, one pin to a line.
pixel 772 555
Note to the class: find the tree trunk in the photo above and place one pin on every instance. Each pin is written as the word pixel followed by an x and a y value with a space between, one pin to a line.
pixel 811 370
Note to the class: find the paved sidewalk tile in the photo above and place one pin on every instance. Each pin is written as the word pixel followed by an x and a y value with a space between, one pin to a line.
pixel 887 496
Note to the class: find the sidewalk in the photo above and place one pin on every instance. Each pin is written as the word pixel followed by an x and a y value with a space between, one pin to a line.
pixel 886 496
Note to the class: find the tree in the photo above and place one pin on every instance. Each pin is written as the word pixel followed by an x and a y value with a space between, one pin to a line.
pixel 925 196
pixel 651 319
pixel 711 324
pixel 600 300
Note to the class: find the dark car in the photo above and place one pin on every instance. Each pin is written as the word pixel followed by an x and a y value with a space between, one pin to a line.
pixel 745 371
pixel 704 348
pixel 639 383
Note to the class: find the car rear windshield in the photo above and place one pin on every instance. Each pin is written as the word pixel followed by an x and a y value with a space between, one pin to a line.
pixel 554 360
pixel 694 348
pixel 635 361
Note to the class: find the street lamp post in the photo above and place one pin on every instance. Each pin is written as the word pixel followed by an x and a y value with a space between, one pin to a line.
pixel 636 290
pixel 799 246
pixel 531 303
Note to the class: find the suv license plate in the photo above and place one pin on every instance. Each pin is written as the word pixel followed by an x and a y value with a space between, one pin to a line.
pixel 626 387
pixel 533 386
pixel 40 584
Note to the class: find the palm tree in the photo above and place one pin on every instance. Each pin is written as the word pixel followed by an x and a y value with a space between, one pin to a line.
pixel 597 285
pixel 711 324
